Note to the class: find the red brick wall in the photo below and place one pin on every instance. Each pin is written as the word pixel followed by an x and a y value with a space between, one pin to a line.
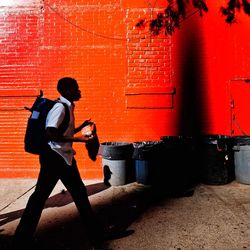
pixel 134 86
pixel 20 41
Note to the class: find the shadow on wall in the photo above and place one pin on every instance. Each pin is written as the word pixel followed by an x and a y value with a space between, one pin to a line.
pixel 193 105
pixel 192 81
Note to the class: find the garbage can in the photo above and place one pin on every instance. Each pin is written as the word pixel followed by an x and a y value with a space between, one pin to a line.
pixel 117 162
pixel 242 159
pixel 146 156
pixel 216 159
pixel 177 169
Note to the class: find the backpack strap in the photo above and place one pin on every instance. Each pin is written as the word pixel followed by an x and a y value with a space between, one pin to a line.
pixel 65 123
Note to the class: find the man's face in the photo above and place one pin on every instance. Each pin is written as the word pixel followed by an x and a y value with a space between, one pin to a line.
pixel 74 93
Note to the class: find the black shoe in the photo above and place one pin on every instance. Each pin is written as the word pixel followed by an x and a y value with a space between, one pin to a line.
pixel 21 242
pixel 17 245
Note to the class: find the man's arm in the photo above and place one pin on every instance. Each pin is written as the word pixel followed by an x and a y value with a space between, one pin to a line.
pixel 52 134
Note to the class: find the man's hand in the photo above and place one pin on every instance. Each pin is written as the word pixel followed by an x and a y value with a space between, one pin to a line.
pixel 86 122
pixel 84 138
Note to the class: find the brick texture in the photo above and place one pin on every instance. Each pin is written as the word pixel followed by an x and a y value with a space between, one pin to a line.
pixel 135 86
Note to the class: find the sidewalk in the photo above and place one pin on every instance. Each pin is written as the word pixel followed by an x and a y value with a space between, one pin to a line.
pixel 214 217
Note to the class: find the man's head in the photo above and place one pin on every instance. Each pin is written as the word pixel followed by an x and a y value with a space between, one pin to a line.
pixel 68 88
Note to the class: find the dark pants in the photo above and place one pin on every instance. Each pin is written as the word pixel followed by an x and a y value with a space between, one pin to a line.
pixel 53 168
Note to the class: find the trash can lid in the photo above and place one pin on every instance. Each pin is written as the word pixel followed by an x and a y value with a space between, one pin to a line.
pixel 116 150
pixel 115 144
pixel 173 137
pixel 215 138
pixel 180 139
pixel 241 140
pixel 141 144
pixel 146 149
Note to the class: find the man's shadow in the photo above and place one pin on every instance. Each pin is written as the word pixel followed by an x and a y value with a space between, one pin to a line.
pixel 120 212
pixel 61 199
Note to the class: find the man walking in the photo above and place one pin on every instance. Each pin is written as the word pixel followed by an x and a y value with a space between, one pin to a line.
pixel 57 162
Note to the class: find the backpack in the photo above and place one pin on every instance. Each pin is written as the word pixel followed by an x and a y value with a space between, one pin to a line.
pixel 35 140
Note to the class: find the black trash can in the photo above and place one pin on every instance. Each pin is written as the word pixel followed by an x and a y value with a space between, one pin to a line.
pixel 146 156
pixel 216 159
pixel 117 162
pixel 242 159
pixel 177 173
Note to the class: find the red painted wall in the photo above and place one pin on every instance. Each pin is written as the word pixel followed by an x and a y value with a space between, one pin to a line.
pixel 134 86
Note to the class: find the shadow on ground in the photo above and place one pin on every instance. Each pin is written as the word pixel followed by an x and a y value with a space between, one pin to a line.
pixel 61 199
pixel 120 209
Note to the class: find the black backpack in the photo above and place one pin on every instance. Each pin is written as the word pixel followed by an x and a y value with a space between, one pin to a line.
pixel 34 140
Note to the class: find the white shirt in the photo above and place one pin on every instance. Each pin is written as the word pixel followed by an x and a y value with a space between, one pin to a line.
pixel 54 119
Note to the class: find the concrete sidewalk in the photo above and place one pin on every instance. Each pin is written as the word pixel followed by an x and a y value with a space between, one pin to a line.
pixel 214 217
